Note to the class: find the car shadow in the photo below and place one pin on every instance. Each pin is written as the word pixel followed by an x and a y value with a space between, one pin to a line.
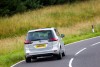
pixel 46 59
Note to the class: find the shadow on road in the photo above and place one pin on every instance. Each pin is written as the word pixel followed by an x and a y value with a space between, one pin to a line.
pixel 45 59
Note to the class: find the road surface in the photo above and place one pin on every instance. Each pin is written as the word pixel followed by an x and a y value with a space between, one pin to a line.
pixel 85 53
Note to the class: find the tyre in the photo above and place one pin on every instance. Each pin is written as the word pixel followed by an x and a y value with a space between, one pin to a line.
pixel 63 54
pixel 59 56
pixel 28 59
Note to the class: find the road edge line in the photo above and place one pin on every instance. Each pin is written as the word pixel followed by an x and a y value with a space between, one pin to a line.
pixel 17 63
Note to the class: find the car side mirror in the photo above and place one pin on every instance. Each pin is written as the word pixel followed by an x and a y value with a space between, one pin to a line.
pixel 62 35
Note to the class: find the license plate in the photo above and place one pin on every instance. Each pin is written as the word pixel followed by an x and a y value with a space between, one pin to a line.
pixel 40 46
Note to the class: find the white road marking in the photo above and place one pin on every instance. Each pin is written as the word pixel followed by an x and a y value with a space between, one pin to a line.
pixel 80 51
pixel 17 63
pixel 95 44
pixel 70 62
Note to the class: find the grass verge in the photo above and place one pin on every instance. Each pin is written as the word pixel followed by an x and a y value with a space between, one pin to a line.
pixel 9 59
pixel 75 38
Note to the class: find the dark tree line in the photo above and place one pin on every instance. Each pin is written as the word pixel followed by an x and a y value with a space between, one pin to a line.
pixel 10 7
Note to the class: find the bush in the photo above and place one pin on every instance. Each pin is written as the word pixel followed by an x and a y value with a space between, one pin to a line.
pixel 47 2
pixel 32 4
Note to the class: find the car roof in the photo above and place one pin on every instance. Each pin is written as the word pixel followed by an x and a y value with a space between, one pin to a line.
pixel 41 29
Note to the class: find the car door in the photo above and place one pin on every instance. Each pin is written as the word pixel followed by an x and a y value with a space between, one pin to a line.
pixel 60 40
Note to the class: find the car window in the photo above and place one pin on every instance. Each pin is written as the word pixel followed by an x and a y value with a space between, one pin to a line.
pixel 40 35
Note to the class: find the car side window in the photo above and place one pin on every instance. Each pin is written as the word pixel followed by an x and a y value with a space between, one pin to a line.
pixel 57 32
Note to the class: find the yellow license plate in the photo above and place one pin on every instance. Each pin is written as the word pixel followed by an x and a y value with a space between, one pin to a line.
pixel 40 46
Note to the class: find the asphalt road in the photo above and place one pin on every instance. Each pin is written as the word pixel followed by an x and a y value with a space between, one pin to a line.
pixel 84 53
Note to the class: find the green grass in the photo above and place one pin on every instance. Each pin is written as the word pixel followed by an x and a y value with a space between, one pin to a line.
pixel 74 38
pixel 9 59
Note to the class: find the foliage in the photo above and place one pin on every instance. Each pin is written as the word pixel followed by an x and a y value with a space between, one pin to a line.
pixel 9 7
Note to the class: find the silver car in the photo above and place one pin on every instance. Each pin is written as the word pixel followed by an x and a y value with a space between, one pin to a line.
pixel 44 42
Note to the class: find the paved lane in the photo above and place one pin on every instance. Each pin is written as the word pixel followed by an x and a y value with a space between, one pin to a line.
pixel 88 58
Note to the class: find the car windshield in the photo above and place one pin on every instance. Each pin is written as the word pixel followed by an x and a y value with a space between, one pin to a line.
pixel 40 35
